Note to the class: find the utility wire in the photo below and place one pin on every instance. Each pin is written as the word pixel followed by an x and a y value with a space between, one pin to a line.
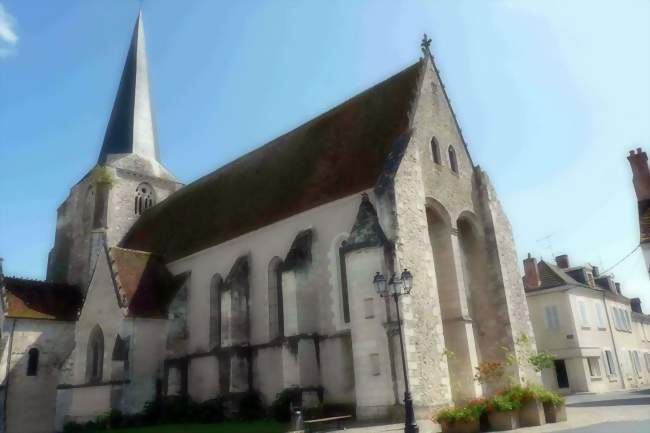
pixel 622 260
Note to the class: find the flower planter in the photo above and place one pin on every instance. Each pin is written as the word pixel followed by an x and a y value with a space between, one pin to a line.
pixel 460 426
pixel 554 413
pixel 532 414
pixel 501 421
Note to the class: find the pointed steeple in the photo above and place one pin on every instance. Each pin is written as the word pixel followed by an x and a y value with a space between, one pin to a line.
pixel 131 126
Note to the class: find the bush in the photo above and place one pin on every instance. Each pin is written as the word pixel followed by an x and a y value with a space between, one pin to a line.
pixel 281 406
pixel 208 411
pixel 502 403
pixel 519 394
pixel 468 413
pixel 73 427
pixel 250 407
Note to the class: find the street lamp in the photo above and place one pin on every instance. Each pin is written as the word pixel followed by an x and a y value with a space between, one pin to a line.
pixel 396 287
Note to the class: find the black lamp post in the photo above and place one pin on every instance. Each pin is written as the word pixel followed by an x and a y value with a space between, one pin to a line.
pixel 396 287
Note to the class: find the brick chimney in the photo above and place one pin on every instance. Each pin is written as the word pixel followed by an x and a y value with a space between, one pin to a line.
pixel 640 173
pixel 562 261
pixel 531 277
pixel 635 304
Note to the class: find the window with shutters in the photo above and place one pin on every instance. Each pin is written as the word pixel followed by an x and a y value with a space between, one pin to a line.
pixel 611 366
pixel 600 316
pixel 551 317
pixel 584 317
pixel 594 366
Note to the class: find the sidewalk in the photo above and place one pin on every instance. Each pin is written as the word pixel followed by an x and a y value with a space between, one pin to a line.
pixel 582 410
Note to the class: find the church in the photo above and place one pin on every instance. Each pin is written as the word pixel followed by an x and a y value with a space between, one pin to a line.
pixel 259 275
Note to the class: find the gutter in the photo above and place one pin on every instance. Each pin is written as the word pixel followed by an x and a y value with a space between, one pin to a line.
pixel 611 333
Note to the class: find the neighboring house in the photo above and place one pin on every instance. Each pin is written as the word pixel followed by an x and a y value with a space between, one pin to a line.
pixel 258 276
pixel 582 318
pixel 38 322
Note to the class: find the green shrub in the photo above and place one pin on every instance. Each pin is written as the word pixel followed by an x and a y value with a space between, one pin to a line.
pixel 281 406
pixel 208 411
pixel 250 407
pixel 502 403
pixel 73 427
pixel 463 414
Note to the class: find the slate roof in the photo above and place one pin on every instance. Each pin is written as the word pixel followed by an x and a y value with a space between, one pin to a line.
pixel 33 299
pixel 145 285
pixel 130 128
pixel 339 153
pixel 551 275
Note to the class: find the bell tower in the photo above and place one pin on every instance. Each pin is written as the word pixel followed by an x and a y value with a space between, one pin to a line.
pixel 127 180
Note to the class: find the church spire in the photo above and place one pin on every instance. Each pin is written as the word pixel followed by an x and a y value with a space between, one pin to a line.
pixel 131 126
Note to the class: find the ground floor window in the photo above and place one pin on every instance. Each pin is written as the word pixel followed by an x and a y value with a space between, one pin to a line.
pixel 594 367
pixel 647 361
pixel 611 367
pixel 636 362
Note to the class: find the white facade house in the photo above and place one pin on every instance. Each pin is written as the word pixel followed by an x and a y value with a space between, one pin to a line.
pixel 595 333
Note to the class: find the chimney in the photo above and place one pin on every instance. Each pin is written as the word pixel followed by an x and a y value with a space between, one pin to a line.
pixel 618 288
pixel 640 173
pixel 531 278
pixel 562 261
pixel 635 303
pixel 595 271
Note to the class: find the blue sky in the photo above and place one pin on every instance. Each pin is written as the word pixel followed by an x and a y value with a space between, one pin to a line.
pixel 551 95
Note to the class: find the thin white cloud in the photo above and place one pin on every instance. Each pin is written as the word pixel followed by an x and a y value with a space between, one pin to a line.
pixel 8 36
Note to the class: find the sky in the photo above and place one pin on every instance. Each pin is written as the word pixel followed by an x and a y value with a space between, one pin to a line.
pixel 551 95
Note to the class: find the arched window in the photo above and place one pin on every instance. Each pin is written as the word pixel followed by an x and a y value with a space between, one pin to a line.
pixel 276 310
pixel 32 362
pixel 435 150
pixel 144 198
pixel 215 311
pixel 343 273
pixel 95 355
pixel 452 160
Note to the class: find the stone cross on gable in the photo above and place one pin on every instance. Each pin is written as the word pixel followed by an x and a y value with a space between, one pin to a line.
pixel 425 44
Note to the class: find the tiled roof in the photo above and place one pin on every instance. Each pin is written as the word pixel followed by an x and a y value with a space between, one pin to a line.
pixel 340 153
pixel 33 299
pixel 145 285
pixel 551 275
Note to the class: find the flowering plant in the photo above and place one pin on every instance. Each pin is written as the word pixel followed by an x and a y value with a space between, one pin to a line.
pixel 489 372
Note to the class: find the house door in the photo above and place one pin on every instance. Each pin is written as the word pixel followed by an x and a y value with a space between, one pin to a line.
pixel 560 372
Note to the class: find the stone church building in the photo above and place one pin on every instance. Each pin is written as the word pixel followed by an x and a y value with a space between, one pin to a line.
pixel 258 276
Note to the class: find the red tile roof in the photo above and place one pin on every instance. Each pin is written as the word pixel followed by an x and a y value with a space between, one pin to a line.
pixel 33 299
pixel 145 285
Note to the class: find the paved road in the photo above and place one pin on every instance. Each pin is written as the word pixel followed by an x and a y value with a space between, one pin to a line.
pixel 614 427
pixel 636 402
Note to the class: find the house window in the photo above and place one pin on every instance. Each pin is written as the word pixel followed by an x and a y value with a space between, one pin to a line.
pixel 32 362
pixel 594 367
pixel 144 198
pixel 551 317
pixel 374 364
pixel 647 361
pixel 584 318
pixel 435 150
pixel 590 279
pixel 600 316
pixel 276 311
pixel 453 163
pixel 611 366
pixel 628 321
pixel 636 362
